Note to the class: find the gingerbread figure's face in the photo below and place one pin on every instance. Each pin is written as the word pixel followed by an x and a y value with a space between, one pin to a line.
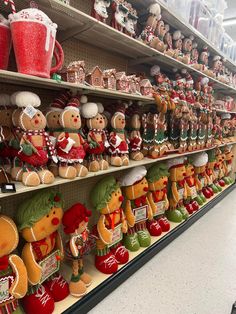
pixel 159 184
pixel 70 118
pixel 97 122
pixel 9 236
pixel 53 119
pixel 229 155
pixel 189 170
pixel 177 173
pixel 118 121
pixel 199 170
pixel 178 44
pixel 38 122
pixel 6 117
pixel 136 190
pixel 188 45
pixel 135 121
pixel 152 21
pixel 44 227
pixel 114 203
pixel 161 30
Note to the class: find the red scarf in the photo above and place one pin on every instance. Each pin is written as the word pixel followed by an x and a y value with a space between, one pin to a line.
pixel 141 201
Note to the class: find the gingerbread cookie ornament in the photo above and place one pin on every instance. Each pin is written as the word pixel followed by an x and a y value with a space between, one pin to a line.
pixel 35 144
pixel 75 222
pixel 71 146
pixel 13 273
pixel 106 197
pixel 137 208
pixel 120 12
pixel 97 137
pixel 39 219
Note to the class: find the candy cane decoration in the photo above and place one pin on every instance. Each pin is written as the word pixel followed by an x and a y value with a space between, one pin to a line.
pixel 12 4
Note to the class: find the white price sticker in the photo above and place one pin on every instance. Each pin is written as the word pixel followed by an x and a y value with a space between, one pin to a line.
pixel 160 208
pixel 5 284
pixel 30 111
pixel 140 213
pixel 193 191
pixel 117 235
pixel 50 265
pixel 181 193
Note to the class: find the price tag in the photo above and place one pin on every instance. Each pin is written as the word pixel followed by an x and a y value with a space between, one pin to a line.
pixel 193 191
pixel 229 167
pixel 217 172
pixel 50 265
pixel 8 188
pixel 140 213
pixel 160 208
pixel 30 111
pixel 5 284
pixel 181 193
pixel 117 235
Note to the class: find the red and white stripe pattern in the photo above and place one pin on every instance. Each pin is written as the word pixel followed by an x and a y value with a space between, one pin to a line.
pixel 12 4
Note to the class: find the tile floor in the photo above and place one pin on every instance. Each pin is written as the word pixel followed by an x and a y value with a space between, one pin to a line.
pixel 195 274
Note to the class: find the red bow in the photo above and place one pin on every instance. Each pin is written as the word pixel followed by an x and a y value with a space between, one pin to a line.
pixel 117 211
pixel 140 201
pixel 156 194
pixel 4 262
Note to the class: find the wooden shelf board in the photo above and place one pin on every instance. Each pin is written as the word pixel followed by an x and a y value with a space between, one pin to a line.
pixel 20 188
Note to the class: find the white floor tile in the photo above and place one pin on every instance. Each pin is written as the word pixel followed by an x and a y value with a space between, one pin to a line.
pixel 195 274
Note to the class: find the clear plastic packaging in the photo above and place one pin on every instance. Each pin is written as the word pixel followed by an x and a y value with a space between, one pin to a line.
pixel 182 8
pixel 226 44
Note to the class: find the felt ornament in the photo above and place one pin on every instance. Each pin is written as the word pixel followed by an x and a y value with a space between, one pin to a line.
pixel 39 219
pixel 75 222
pixel 134 126
pixel 118 141
pixel 96 136
pixel 13 274
pixel 157 177
pixel 199 162
pixel 190 202
pixel 99 10
pixel 177 190
pixel 35 144
pixel 71 146
pixel 211 170
pixel 137 208
pixel 106 198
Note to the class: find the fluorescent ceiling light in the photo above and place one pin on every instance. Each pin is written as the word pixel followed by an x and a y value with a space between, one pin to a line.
pixel 229 22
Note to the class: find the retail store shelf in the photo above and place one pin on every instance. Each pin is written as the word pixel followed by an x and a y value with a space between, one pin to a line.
pixel 177 22
pixel 20 188
pixel 34 81
pixel 75 23
pixel 104 284
pixel 225 111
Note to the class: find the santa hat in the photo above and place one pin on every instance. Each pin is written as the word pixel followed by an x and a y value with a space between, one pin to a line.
pixel 75 102
pixel 200 160
pixel 121 109
pixel 74 216
pixel 133 176
pixel 61 101
pixel 24 99
pixel 216 58
pixel 5 100
pixel 155 70
pixel 176 162
pixel 89 110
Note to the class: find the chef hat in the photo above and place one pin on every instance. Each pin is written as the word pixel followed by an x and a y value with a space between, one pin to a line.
pixel 89 110
pixel 5 100
pixel 24 99
pixel 175 162
pixel 200 159
pixel 134 175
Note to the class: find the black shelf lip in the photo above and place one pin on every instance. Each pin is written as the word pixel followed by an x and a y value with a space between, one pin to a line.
pixel 106 287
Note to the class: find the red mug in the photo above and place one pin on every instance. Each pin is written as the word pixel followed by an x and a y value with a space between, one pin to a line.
pixel 5 43
pixel 33 36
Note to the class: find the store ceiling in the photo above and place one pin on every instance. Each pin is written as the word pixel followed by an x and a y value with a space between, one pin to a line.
pixel 230 13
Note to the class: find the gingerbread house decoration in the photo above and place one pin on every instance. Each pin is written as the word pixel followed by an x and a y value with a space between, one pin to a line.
pixel 95 77
pixel 122 83
pixel 146 88
pixel 63 73
pixel 76 72
pixel 137 82
pixel 109 77
pixel 132 84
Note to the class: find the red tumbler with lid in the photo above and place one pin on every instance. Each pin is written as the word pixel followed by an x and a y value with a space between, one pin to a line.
pixel 34 42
